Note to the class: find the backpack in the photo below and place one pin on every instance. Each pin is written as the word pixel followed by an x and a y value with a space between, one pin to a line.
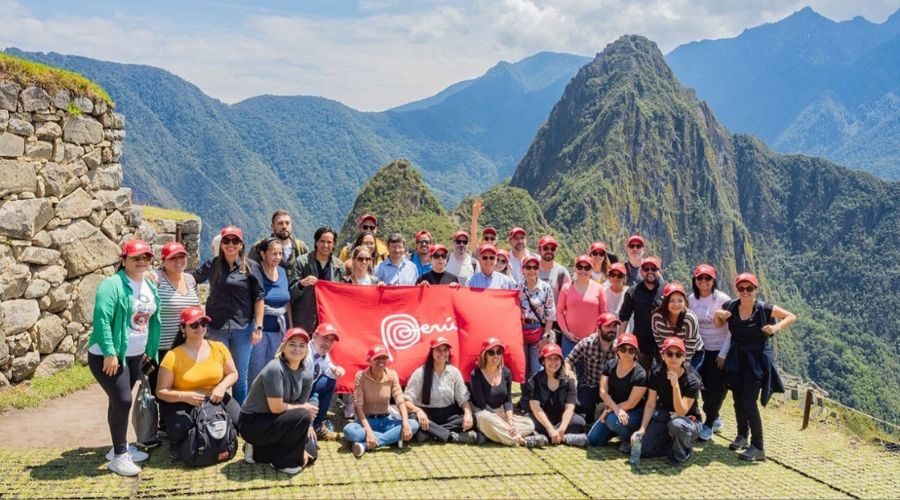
pixel 212 439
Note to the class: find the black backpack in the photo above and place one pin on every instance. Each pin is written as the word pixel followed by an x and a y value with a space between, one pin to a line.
pixel 212 439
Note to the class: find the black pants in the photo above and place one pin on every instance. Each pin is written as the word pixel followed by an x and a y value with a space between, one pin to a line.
pixel 118 390
pixel 714 388
pixel 588 398
pixel 442 421
pixel 279 439
pixel 576 425
pixel 177 417
pixel 154 376
pixel 745 389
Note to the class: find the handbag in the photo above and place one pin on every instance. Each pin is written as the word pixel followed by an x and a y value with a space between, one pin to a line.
pixel 145 415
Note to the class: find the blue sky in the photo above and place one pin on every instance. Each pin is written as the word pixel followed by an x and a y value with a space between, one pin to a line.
pixel 371 54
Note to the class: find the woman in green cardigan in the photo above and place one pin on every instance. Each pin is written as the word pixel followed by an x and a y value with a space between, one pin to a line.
pixel 125 334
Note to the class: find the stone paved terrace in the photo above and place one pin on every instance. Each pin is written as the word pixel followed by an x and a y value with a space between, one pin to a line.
pixel 821 462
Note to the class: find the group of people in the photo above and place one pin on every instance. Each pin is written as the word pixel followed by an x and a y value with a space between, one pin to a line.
pixel 610 335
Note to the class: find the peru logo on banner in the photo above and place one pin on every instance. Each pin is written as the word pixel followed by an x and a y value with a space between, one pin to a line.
pixel 404 319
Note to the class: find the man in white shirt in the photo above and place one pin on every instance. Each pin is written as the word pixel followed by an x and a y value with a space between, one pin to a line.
pixel 460 261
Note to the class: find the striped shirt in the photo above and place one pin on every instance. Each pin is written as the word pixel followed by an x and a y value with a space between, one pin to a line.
pixel 171 304
pixel 689 332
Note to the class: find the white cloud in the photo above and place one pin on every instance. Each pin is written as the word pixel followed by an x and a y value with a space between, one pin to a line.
pixel 389 53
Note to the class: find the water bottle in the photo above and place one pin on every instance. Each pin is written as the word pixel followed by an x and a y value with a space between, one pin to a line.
pixel 635 458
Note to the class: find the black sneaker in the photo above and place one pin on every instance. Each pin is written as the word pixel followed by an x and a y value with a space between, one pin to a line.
pixel 753 454
pixel 671 461
pixel 739 443
pixel 625 447
pixel 174 452
pixel 536 441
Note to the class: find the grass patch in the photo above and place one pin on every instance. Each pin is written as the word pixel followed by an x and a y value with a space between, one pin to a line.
pixel 151 212
pixel 27 72
pixel 38 390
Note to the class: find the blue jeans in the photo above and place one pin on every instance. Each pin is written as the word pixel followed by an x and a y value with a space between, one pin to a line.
pixel 323 391
pixel 262 353
pixel 387 430
pixel 672 437
pixel 532 360
pixel 602 432
pixel 567 346
pixel 238 343
pixel 697 360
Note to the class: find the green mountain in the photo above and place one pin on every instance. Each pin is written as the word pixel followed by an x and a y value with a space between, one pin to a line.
pixel 807 84
pixel 627 148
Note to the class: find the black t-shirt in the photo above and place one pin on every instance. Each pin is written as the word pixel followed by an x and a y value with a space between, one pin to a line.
pixel 552 402
pixel 490 397
pixel 690 385
pixel 435 278
pixel 619 389
pixel 747 333
pixel 232 294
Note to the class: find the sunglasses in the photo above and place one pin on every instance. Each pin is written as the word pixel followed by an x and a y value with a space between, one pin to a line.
pixel 616 275
pixel 598 254
pixel 627 350
pixel 439 256
pixel 231 241
pixel 549 248
pixel 635 245
pixel 704 277
pixel 674 354
pixel 368 228
pixel 489 238
pixel 495 352
pixel 583 268
pixel 141 258
pixel 502 261
pixel 530 268
pixel 650 269
pixel 363 259
pixel 423 242
pixel 199 324
pixel 488 257
pixel 461 242
pixel 746 289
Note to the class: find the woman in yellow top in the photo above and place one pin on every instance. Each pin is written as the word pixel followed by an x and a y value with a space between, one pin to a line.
pixel 192 371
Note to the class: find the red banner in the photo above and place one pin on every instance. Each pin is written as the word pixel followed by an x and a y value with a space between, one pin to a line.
pixel 404 319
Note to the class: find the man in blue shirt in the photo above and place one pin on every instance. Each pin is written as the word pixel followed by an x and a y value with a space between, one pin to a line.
pixel 420 256
pixel 397 270
pixel 486 277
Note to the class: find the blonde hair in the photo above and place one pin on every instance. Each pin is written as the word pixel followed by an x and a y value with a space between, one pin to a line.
pixel 482 358
pixel 280 351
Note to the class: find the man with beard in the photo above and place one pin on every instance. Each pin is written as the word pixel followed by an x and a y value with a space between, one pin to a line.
pixel 551 271
pixel 292 248
pixel 634 251
pixel 518 243
pixel 640 301
pixel 593 352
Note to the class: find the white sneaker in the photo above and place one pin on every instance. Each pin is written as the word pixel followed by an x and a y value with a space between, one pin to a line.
pixel 291 470
pixel 136 454
pixel 717 425
pixel 248 454
pixel 123 465
pixel 358 449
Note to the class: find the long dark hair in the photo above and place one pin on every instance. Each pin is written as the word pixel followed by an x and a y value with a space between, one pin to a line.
pixel 220 264
pixel 560 372
pixel 696 290
pixel 361 236
pixel 428 376
pixel 663 309
pixel 321 232
pixel 180 337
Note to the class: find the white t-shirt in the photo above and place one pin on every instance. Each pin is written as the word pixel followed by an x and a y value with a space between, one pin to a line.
pixel 714 338
pixel 614 300
pixel 142 308
pixel 463 269
pixel 515 266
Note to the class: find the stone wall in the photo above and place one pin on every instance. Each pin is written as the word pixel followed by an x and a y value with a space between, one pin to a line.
pixel 158 231
pixel 63 216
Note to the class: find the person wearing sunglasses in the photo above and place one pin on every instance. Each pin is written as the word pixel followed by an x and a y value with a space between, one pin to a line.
pixel 373 389
pixel 538 314
pixel 125 333
pixel 438 274
pixel 639 303
pixel 437 397
pixel 705 300
pixel 750 365
pixel 554 273
pixel 552 401
pixel 616 287
pixel 634 249
pixel 420 256
pixel 276 419
pixel 277 318
pixel 600 262
pixel 491 396
pixel 589 356
pixel 502 265
pixel 460 262
pixel 623 385
pixel 673 319
pixel 579 306
pixel 194 371
pixel 291 247
pixel 671 421
pixel 518 244
pixel 367 223
pixel 236 302
pixel 360 267
pixel 487 277
pixel 320 264
pixel 488 237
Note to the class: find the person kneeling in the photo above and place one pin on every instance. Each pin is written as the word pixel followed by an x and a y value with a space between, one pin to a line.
pixel 276 417
pixel 671 421
pixel 373 389
pixel 552 403
pixel 194 371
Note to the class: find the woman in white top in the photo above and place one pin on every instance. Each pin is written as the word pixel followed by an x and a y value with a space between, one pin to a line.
pixel 705 300
pixel 361 257
pixel 615 291
pixel 600 262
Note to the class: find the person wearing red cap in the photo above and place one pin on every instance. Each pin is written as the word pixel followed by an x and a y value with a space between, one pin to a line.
pixel 367 223
pixel 705 300
pixel 588 358
pixel 397 269
pixel 325 377
pixel 277 315
pixel 420 256
pixel 438 274
pixel 277 416
pixel 616 287
pixel 236 302
pixel 126 331
pixel 194 371
pixel 554 273
pixel 671 421
pixel 750 365
pixel 579 305
pixel 639 303
pixel 673 319
pixel 461 263
pixel 320 264
pixel 502 265
pixel 491 386
pixel 538 314
pixel 292 248
pixel 518 244
pixel 634 250
pixel 373 389
pixel 600 262
pixel 437 397
pixel 551 403
pixel 487 277
pixel 623 384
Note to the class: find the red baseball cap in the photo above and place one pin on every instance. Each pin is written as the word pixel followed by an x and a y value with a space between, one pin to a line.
pixel 460 233
pixel 597 246
pixel 671 342
pixel 547 240
pixel 608 318
pixel 652 260
pixel 295 332
pixel 487 247
pixel 172 249
pixel 326 329
pixel 193 314
pixel 489 230
pixel 232 231
pixel 673 287
pixel 437 247
pixel 551 350
pixel 705 269
pixel 584 259
pixel 421 233
pixel 377 351
pixel 365 217
pixel 503 253
pixel 627 339
pixel 490 343
pixel 133 248
pixel 748 277
pixel 618 267
pixel 517 230
pixel 637 238
pixel 439 341
pixel 531 258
